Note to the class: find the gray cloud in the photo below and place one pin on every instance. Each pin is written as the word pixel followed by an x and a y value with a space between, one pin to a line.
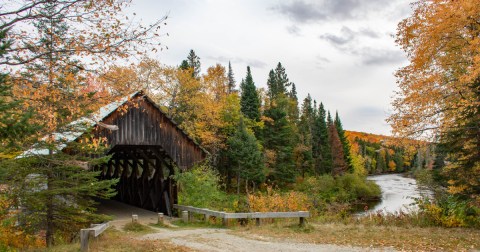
pixel 303 11
pixel 381 56
pixel 249 62
pixel 347 36
pixel 321 61
pixel 369 33
pixel 294 30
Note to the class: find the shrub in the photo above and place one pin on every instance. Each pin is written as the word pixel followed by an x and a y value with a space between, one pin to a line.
pixel 451 211
pixel 200 187
pixel 274 201
pixel 342 189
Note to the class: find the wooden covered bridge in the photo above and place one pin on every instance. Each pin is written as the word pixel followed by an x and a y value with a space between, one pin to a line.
pixel 145 147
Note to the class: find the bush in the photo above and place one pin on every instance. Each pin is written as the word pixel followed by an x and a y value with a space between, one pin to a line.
pixel 326 191
pixel 200 187
pixel 451 211
pixel 274 201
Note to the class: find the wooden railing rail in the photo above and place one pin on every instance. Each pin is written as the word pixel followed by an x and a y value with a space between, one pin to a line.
pixel 188 210
pixel 95 230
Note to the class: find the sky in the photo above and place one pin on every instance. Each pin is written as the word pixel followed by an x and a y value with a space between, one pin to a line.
pixel 341 52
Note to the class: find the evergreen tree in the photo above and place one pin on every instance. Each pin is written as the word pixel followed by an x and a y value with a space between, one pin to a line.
pixel 339 166
pixel 279 137
pixel 282 81
pixel 231 79
pixel 193 62
pixel 323 163
pixel 184 65
pixel 303 151
pixel 293 113
pixel 272 86
pixel 249 100
pixel 344 141
pixel 246 156
pixel 280 132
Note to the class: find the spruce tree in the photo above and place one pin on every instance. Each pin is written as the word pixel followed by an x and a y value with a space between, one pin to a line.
pixel 245 156
pixel 249 100
pixel 282 80
pixel 304 155
pixel 231 79
pixel 193 62
pixel 339 166
pixel 323 163
pixel 280 133
pixel 278 136
pixel 293 113
pixel 344 141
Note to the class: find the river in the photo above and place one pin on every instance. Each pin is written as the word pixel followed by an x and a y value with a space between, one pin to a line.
pixel 398 193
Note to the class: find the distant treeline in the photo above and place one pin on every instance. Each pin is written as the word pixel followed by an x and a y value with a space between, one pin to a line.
pixel 384 154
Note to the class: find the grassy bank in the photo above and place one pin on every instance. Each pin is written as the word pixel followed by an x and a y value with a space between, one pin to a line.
pixel 370 236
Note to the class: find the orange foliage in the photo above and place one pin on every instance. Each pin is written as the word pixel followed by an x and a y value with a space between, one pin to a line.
pixel 273 201
pixel 10 234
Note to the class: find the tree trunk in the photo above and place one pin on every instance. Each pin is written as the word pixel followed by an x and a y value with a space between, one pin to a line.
pixel 49 204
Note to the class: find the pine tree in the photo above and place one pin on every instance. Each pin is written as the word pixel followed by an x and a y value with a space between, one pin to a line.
pixel 293 113
pixel 184 65
pixel 303 151
pixel 193 62
pixel 231 79
pixel 249 101
pixel 339 166
pixel 323 163
pixel 278 136
pixel 246 156
pixel 344 141
pixel 282 80
pixel 280 133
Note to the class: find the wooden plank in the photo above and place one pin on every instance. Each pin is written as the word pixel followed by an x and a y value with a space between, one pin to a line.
pixel 99 228
pixel 256 215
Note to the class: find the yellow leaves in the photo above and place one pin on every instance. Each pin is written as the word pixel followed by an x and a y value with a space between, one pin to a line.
pixel 273 201
pixel 11 235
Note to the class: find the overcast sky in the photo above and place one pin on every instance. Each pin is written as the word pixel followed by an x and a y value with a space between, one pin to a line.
pixel 342 52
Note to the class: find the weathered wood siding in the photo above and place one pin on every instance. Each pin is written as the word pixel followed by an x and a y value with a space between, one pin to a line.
pixel 142 123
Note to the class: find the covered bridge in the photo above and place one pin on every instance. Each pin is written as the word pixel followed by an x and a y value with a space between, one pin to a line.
pixel 145 145
pixel 145 148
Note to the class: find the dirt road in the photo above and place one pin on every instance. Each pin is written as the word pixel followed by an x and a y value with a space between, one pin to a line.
pixel 213 239
pixel 203 239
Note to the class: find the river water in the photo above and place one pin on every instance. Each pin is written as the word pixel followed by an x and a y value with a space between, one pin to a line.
pixel 398 193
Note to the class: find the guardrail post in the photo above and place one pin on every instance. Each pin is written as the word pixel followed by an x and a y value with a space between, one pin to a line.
pixel 160 219
pixel 207 218
pixel 84 235
pixel 257 221
pixel 185 216
pixel 224 219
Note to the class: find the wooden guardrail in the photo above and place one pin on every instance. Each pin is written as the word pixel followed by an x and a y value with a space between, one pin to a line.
pixel 95 230
pixel 188 210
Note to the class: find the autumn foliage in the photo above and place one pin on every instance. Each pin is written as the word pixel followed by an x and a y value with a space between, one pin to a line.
pixel 274 201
